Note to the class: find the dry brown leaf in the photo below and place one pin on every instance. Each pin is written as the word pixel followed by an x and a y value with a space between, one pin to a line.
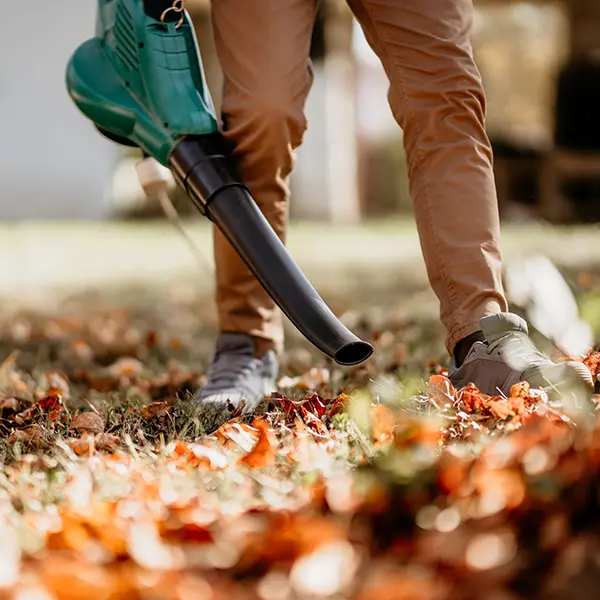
pixel 87 422
pixel 7 367
pixel 440 390
pixel 9 404
pixel 156 410
pixel 125 367
pixel 30 435
pixel 263 453
pixel 82 350
pixel 25 415
pixel 106 441
pixel 55 384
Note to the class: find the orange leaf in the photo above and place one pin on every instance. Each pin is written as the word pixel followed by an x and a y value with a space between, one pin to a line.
pixel 199 455
pixel 592 362
pixel 337 405
pixel 83 446
pixel 263 453
pixel 472 399
pixel 383 424
pixel 501 409
pixel 231 434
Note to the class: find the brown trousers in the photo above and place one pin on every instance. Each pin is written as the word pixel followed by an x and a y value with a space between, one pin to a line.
pixel 436 97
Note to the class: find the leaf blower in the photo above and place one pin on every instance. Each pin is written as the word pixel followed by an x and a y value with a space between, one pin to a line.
pixel 141 82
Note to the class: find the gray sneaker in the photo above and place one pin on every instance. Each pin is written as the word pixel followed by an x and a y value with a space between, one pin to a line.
pixel 508 356
pixel 237 376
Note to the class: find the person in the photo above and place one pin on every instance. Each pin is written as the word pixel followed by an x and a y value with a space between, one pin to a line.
pixel 437 98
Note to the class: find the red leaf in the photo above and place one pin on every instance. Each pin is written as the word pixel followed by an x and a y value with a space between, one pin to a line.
pixel 315 405
pixel 51 405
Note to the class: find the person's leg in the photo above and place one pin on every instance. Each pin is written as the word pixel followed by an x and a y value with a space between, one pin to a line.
pixel 437 97
pixel 263 47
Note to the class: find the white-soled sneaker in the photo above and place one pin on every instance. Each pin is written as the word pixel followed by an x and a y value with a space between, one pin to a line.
pixel 237 376
pixel 508 356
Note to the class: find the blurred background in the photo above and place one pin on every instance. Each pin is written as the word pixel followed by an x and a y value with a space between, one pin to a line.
pixel 73 214
pixel 540 63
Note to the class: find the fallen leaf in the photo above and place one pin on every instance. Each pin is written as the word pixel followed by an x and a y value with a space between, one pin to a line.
pixel 151 340
pixel 82 446
pixel 87 422
pixel 232 434
pixel 337 405
pixel 501 408
pixel 383 423
pixel 471 398
pixel 25 415
pixel 106 441
pixel 156 410
pixel 125 367
pixel 440 390
pixel 82 350
pixel 7 367
pixel 30 435
pixel 592 362
pixel 55 384
pixel 263 453
pixel 199 455
pixel 11 404
pixel 51 405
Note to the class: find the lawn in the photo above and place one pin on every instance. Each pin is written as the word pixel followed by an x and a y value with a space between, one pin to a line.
pixel 377 482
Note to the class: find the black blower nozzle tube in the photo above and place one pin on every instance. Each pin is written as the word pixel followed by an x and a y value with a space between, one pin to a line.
pixel 203 167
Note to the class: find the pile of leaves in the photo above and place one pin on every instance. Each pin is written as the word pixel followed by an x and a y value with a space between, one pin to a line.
pixel 113 487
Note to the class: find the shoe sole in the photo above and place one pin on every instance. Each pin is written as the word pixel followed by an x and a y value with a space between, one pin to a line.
pixel 556 377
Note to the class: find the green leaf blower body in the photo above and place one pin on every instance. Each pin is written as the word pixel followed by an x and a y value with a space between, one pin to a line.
pixel 141 82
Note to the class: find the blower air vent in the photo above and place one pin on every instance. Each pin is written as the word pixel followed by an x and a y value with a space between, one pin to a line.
pixel 125 44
